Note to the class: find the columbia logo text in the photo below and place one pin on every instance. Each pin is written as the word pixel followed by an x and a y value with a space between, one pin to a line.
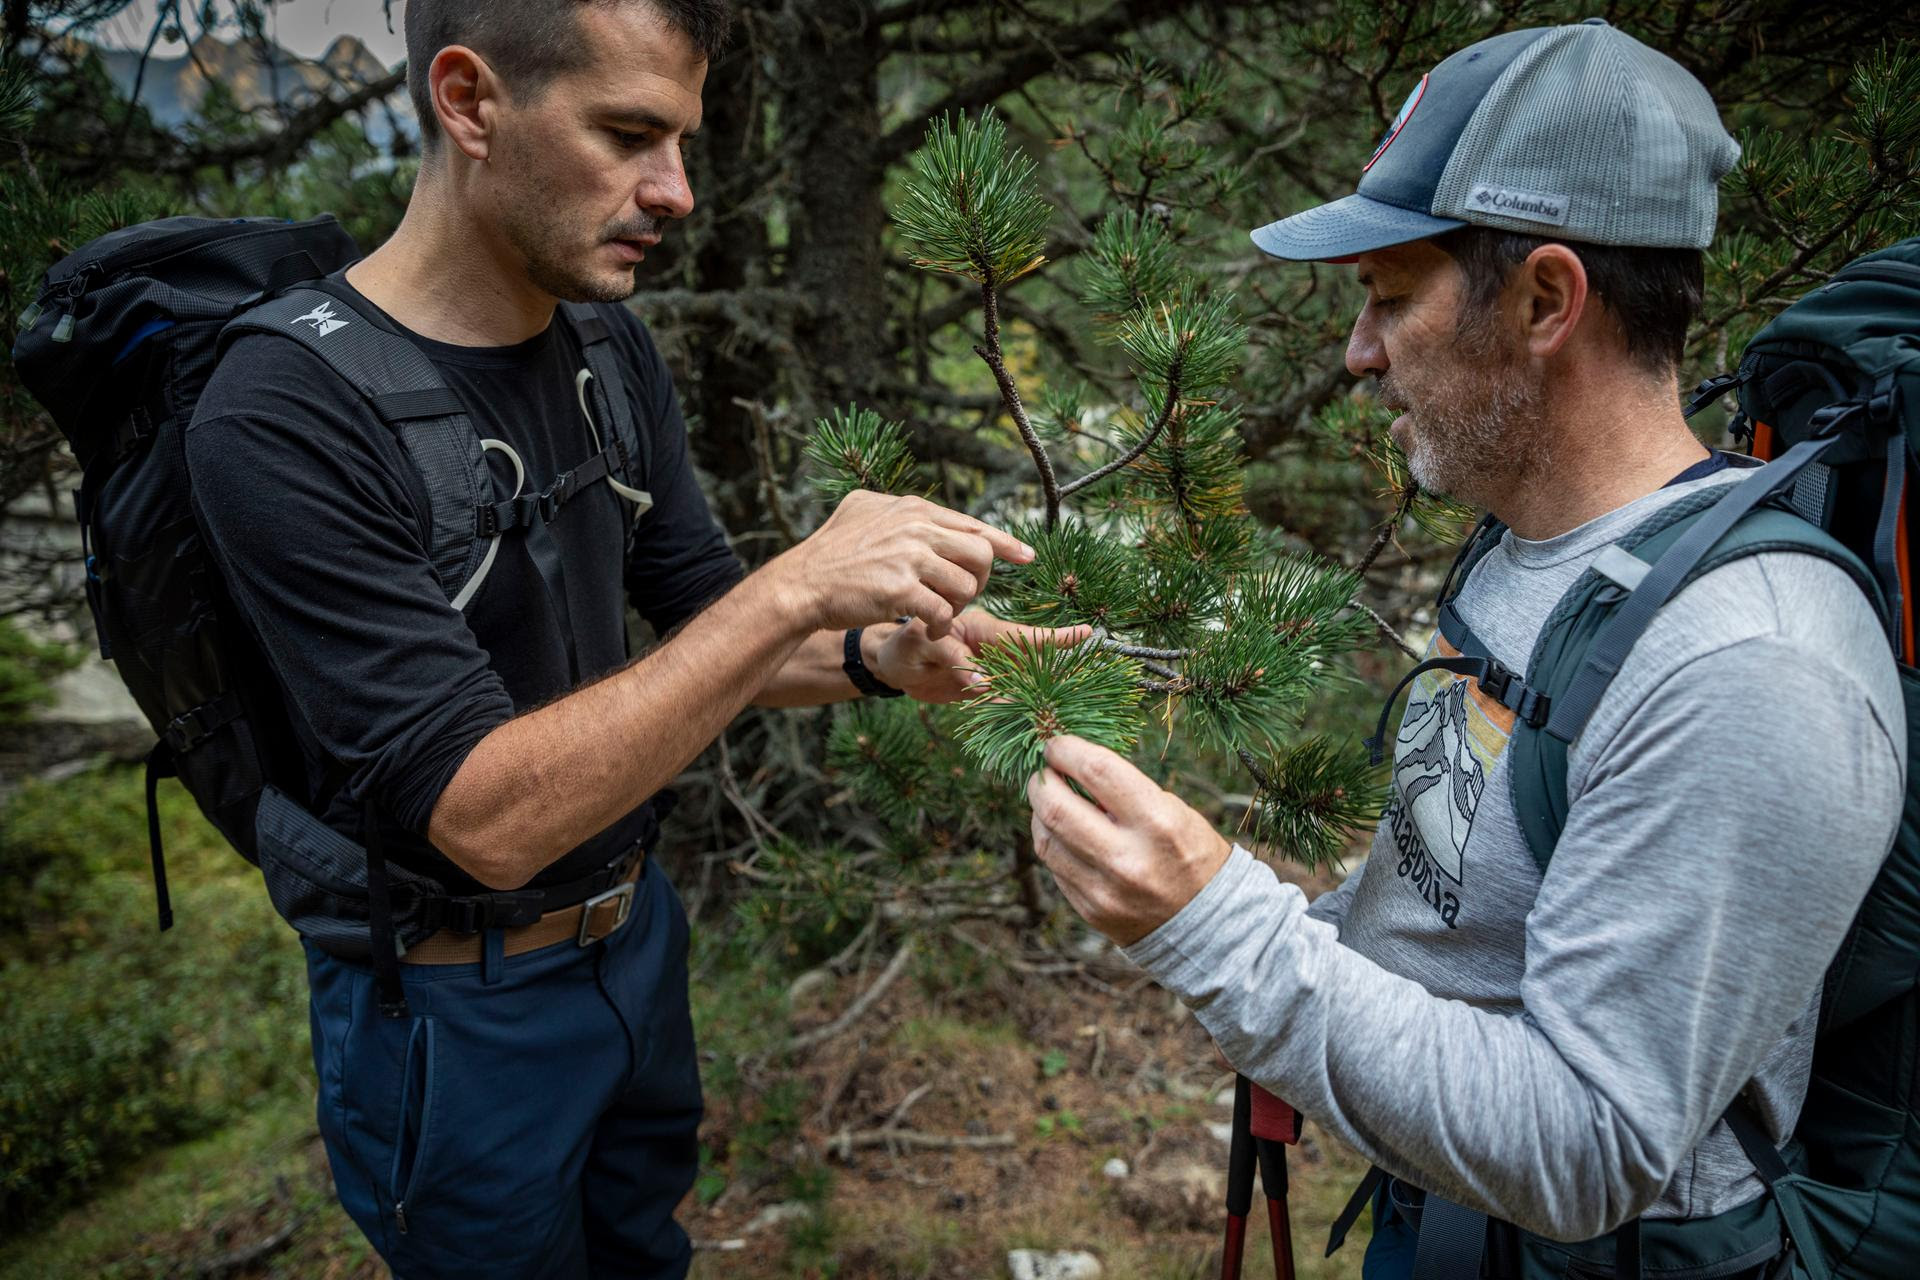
pixel 1529 205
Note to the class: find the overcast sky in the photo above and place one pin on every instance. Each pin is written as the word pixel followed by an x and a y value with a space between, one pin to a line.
pixel 304 26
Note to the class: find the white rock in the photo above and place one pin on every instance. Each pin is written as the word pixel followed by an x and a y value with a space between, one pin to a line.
pixel 1044 1264
pixel 1116 1168
pixel 1222 1130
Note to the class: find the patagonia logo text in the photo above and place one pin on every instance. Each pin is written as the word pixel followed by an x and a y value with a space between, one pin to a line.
pixel 1533 206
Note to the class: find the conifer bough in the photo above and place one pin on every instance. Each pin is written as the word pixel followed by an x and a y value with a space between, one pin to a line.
pixel 1194 611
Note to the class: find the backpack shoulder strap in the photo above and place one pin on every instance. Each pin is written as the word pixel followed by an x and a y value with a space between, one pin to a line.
pixel 402 386
pixel 1604 613
pixel 608 391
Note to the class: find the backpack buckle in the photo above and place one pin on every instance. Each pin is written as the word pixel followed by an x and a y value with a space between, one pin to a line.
pixel 196 724
pixel 1497 680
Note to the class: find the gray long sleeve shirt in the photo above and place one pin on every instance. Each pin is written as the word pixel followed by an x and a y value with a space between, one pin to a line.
pixel 1558 1052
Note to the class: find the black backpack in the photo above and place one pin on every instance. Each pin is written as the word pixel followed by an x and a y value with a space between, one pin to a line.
pixel 118 347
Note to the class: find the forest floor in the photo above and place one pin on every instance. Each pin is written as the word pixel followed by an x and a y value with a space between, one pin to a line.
pixel 1053 1066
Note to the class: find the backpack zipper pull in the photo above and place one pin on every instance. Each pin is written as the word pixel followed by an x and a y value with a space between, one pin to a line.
pixel 400 1215
pixel 71 293
pixel 33 313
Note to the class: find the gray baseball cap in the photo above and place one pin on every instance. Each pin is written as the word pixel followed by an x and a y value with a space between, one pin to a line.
pixel 1578 132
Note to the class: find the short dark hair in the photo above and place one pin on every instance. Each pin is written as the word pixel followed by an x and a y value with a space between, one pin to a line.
pixel 529 42
pixel 1654 294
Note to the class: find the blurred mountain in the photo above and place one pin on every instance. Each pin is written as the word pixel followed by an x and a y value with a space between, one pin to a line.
pixel 257 74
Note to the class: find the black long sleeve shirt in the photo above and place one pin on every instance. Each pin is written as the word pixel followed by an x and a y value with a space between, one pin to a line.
pixel 319 522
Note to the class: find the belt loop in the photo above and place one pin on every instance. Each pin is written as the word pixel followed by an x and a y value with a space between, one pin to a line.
pixel 493 956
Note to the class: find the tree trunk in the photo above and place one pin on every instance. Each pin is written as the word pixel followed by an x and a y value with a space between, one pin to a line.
pixel 836 258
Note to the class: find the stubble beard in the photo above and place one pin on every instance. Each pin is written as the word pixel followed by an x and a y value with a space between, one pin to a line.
pixel 1478 423
pixel 538 229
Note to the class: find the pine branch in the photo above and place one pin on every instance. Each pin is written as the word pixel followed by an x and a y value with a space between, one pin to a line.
pixel 858 449
pixel 1310 800
pixel 1098 34
pixel 1142 651
pixel 1076 576
pixel 1034 692
pixel 1146 441
pixel 996 361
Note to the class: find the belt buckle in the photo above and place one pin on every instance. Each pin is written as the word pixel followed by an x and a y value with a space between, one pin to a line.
pixel 621 895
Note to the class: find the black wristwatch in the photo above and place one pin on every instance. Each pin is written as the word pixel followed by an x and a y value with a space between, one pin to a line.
pixel 856 668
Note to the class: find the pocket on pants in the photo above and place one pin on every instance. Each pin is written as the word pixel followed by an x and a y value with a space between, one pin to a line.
pixel 414 1141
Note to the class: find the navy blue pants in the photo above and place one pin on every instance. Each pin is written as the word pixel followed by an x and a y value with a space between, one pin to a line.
pixel 536 1116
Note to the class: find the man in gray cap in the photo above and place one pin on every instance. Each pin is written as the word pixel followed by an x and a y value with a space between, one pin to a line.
pixel 1555 1051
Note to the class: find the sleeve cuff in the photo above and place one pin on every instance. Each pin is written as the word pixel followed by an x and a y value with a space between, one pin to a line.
pixel 1184 935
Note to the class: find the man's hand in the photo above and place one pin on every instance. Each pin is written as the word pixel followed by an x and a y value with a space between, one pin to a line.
pixel 1128 861
pixel 931 670
pixel 880 557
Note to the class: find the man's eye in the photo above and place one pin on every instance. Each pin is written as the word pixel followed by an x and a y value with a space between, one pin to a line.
pixel 1388 304
pixel 629 140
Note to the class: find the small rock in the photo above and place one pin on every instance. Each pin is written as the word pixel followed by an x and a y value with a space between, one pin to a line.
pixel 1116 1168
pixel 1221 1129
pixel 985 1085
pixel 1044 1264
pixel 953 1201
pixel 775 1214
pixel 1050 1103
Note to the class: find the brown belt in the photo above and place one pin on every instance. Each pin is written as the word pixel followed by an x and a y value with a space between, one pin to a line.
pixel 583 922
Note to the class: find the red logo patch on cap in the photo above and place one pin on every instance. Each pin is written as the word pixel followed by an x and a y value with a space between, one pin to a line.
pixel 1399 122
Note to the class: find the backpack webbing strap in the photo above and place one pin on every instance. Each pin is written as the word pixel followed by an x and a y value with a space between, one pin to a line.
pixel 610 391
pixel 1626 1250
pixel 1496 679
pixel 1451 1241
pixel 386 950
pixel 491 518
pixel 1573 708
pixel 1359 1200
pixel 1767 1161
pixel 404 388
pixel 1886 540
pixel 159 765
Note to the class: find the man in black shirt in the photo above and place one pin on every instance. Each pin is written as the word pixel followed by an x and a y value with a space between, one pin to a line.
pixel 535 1113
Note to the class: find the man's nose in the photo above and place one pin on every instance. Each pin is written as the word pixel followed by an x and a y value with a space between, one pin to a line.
pixel 666 193
pixel 1366 354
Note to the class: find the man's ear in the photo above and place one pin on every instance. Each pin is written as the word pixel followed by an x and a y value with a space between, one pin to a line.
pixel 1553 298
pixel 466 93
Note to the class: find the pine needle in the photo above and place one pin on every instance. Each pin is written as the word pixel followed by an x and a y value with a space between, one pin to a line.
pixel 1036 691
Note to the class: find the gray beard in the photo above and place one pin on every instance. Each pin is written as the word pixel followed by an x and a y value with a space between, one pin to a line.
pixel 1477 429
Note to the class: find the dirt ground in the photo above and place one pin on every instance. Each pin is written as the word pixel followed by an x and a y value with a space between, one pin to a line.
pixel 955 1120
pixel 1069 1070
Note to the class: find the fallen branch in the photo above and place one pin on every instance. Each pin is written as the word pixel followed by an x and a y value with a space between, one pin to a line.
pixel 250 1256
pixel 899 1115
pixel 858 1009
pixel 845 1143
